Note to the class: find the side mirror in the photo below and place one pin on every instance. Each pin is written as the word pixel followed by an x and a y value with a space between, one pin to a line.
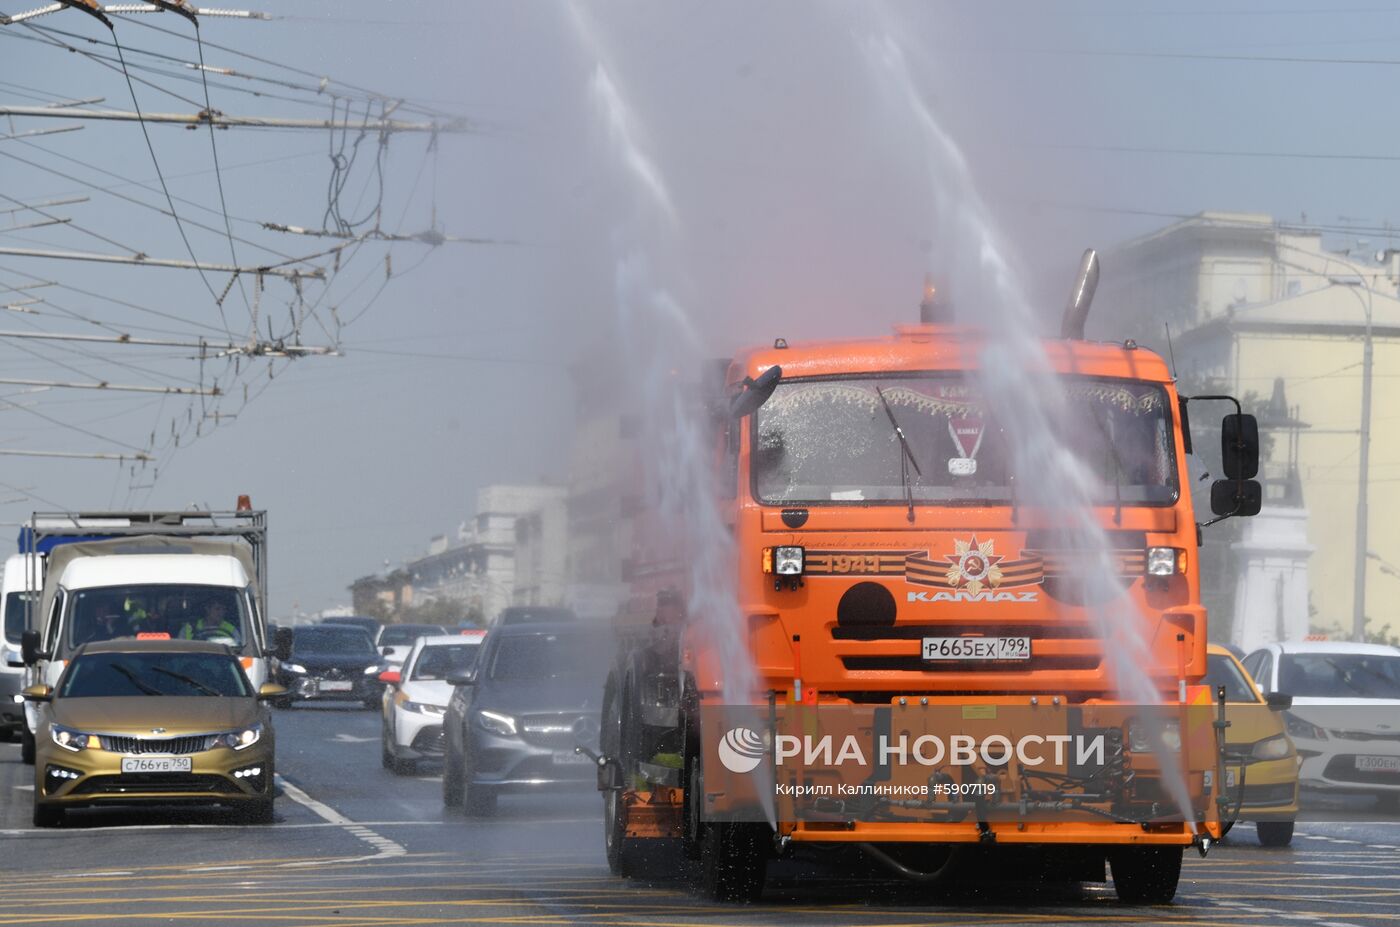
pixel 282 644
pixel 392 677
pixel 462 677
pixel 1278 701
pixel 37 693
pixel 756 392
pixel 271 690
pixel 1236 497
pixel 29 648
pixel 1239 446
pixel 388 651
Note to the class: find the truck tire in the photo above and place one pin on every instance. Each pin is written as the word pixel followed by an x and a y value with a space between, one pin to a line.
pixel 734 861
pixel 26 747
pixel 1275 833
pixel 1146 875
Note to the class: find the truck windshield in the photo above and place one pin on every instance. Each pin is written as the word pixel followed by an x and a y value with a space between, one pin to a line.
pixel 14 614
pixel 189 612
pixel 825 441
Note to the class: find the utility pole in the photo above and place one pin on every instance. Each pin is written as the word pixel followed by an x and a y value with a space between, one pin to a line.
pixel 1358 613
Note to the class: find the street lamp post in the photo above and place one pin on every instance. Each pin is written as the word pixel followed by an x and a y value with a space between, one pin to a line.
pixel 1358 614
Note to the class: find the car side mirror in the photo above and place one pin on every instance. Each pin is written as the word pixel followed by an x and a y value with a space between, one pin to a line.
pixel 392 677
pixel 271 690
pixel 462 678
pixel 387 651
pixel 1279 701
pixel 1243 498
pixel 29 648
pixel 282 644
pixel 1239 446
pixel 37 693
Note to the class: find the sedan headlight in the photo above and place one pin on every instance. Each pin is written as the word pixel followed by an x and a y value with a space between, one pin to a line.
pixel 294 667
pixel 1297 727
pixel 423 708
pixel 496 723
pixel 1272 748
pixel 70 739
pixel 240 739
pixel 374 669
pixel 1143 737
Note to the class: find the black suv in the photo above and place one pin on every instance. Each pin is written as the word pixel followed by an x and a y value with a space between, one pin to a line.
pixel 515 718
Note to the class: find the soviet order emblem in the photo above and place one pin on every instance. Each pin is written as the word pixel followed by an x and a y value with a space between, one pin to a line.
pixel 974 565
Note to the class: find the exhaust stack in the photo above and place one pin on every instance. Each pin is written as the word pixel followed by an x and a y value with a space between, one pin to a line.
pixel 1072 325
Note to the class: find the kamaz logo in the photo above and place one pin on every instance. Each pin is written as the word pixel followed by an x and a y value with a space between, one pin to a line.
pixel 986 595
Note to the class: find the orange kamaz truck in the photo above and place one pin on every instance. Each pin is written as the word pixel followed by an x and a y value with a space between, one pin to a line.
pixel 927 674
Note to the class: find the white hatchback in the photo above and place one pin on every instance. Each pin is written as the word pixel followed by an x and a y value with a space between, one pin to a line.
pixel 416 696
pixel 1345 719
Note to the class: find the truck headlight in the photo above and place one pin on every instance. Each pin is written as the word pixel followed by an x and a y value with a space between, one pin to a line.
pixel 496 723
pixel 70 739
pixel 1143 736
pixel 784 561
pixel 1272 748
pixel 1163 561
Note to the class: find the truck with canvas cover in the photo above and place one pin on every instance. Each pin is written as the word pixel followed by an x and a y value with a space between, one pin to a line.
pixel 944 669
pixel 195 575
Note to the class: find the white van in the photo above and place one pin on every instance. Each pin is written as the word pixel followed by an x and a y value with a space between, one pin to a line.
pixel 13 585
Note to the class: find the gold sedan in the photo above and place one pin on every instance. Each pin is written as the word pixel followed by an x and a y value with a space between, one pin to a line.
pixel 153 722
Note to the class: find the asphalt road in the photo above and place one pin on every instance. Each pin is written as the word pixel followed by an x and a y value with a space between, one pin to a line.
pixel 355 845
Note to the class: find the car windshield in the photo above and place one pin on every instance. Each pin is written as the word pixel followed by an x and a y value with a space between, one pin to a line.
pixel 1339 675
pixel 1222 671
pixel 549 656
pixel 831 441
pixel 348 641
pixel 440 660
pixel 14 614
pixel 112 675
pixel 188 612
pixel 396 635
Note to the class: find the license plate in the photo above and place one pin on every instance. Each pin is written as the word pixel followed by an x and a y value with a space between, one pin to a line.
pixel 1230 779
pixel 570 758
pixel 1387 764
pixel 336 685
pixel 156 764
pixel 977 648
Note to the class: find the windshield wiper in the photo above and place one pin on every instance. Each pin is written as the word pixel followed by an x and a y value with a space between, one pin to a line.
pixel 192 683
pixel 905 458
pixel 135 680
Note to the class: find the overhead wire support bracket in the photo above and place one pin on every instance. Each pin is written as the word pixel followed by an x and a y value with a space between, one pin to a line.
pixel 116 387
pixel 271 348
pixel 141 260
pixel 100 11
pixel 223 121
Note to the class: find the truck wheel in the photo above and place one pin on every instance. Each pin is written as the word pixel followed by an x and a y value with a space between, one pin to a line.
pixel 26 747
pixel 1146 875
pixel 1275 833
pixel 734 861
pixel 691 825
pixel 454 790
pixel 47 815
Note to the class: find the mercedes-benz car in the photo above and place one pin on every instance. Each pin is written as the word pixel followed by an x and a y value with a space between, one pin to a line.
pixel 514 720
pixel 153 722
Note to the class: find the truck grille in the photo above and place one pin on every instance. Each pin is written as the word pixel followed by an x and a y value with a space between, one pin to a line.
pixel 176 746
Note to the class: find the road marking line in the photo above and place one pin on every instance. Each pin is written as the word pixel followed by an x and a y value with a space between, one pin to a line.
pixel 387 848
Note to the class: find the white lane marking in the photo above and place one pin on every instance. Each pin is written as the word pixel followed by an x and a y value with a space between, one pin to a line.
pixel 351 739
pixel 25 788
pixel 387 848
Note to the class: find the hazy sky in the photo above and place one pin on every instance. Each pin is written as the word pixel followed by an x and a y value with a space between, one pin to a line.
pixel 802 204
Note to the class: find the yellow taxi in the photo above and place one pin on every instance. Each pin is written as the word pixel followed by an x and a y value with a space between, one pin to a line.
pixel 1261 763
